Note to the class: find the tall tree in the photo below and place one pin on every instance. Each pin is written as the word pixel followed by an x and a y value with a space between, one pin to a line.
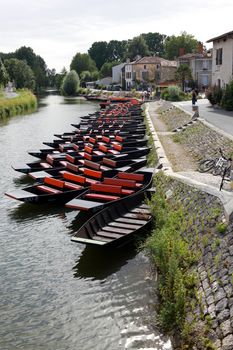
pixel 35 62
pixel 174 43
pixel 183 74
pixel 116 50
pixel 155 43
pixel 106 69
pixel 70 84
pixel 3 74
pixel 137 46
pixel 82 62
pixel 99 53
pixel 20 73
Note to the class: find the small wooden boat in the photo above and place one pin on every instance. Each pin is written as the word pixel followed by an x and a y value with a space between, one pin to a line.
pixel 112 190
pixel 117 224
pixel 51 190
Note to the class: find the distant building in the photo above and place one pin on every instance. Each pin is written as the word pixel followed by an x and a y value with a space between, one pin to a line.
pixel 222 59
pixel 117 73
pixel 104 82
pixel 201 67
pixel 149 70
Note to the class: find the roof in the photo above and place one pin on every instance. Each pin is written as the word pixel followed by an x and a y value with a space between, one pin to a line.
pixel 220 37
pixel 190 55
pixel 155 60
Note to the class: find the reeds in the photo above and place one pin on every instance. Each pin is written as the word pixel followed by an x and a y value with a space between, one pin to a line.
pixel 24 102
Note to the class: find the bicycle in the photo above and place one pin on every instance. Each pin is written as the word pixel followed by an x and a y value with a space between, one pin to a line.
pixel 217 165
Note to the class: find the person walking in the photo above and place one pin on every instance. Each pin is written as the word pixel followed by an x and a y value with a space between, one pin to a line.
pixel 194 97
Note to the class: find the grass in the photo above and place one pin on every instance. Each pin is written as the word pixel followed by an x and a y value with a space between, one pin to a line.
pixel 25 102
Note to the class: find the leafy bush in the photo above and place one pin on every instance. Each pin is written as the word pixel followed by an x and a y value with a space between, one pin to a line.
pixel 174 93
pixel 70 84
pixel 214 95
pixel 24 102
pixel 227 98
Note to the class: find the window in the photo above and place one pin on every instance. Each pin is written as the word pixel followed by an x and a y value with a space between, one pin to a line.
pixel 144 66
pixel 218 56
pixel 128 75
pixel 145 75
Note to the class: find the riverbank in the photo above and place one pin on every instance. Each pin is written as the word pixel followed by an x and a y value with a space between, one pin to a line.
pixel 194 254
pixel 21 102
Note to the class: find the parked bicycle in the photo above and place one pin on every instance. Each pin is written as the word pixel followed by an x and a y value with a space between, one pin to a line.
pixel 220 165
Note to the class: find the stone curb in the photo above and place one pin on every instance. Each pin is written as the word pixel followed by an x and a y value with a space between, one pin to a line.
pixel 225 197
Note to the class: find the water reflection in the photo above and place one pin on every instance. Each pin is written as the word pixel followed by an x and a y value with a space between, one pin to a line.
pixel 27 211
pixel 98 263
pixel 22 180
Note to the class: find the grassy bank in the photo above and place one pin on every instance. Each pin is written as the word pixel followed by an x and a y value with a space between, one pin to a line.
pixel 184 224
pixel 24 102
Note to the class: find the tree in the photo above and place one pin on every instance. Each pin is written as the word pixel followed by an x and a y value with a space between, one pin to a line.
pixel 155 43
pixel 20 73
pixel 82 62
pixel 59 78
pixel 35 62
pixel 137 46
pixel 70 84
pixel 182 74
pixel 3 74
pixel 99 52
pixel 174 43
pixel 106 69
pixel 116 50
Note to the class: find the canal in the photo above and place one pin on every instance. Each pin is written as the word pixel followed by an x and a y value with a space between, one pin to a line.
pixel 56 294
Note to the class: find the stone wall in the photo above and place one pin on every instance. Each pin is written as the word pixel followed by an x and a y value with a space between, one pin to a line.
pixel 210 315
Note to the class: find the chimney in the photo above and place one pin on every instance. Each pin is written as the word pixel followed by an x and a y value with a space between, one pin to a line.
pixel 200 48
pixel 181 51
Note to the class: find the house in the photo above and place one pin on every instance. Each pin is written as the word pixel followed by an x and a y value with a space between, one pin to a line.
pixel 116 73
pixel 104 82
pixel 149 70
pixel 201 67
pixel 154 69
pixel 222 59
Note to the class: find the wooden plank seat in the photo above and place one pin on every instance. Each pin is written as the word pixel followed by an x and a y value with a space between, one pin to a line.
pixel 45 165
pixel 74 178
pixel 93 173
pixel 131 176
pixel 102 197
pixel 61 184
pixel 110 162
pixel 91 164
pixel 88 149
pixel 119 230
pixel 48 189
pixel 72 167
pixel 121 182
pixel 103 148
pixel 108 234
pixel 113 151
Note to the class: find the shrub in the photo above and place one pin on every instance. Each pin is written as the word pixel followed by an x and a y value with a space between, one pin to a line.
pixel 214 95
pixel 70 84
pixel 172 93
pixel 24 102
pixel 227 98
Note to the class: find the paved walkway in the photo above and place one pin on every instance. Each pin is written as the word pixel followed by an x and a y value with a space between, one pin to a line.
pixel 204 182
pixel 214 115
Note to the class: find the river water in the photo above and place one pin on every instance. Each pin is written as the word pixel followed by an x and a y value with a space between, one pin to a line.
pixel 56 294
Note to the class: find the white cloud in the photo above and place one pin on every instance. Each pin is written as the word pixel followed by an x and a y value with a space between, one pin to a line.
pixel 56 30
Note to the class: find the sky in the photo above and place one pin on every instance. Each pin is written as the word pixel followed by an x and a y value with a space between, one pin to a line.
pixel 57 30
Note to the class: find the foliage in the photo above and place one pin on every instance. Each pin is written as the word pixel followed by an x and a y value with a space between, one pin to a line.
pixel 172 93
pixel 20 73
pixel 173 258
pixel 174 43
pixel 82 62
pixel 214 95
pixel 155 43
pixel 70 84
pixel 221 227
pixel 24 102
pixel 3 73
pixel 137 46
pixel 106 69
pixel 183 74
pixel 227 98
pixel 35 62
pixel 99 53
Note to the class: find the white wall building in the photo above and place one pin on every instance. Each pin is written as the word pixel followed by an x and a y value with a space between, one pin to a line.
pixel 222 59
pixel 116 74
